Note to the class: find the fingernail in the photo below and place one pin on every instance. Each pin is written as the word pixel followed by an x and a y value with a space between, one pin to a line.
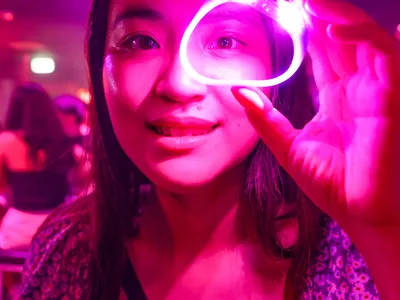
pixel 250 99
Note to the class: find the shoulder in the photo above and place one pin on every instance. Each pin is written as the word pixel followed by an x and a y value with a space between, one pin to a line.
pixel 10 140
pixel 338 269
pixel 58 263
pixel 7 140
pixel 7 137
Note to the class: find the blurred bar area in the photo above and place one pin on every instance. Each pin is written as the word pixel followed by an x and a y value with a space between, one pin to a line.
pixel 42 41
pixel 43 121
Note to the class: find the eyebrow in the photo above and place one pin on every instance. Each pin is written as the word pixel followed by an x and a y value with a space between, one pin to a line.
pixel 138 13
pixel 240 15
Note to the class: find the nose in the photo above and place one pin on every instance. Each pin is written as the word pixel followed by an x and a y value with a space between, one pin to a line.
pixel 175 84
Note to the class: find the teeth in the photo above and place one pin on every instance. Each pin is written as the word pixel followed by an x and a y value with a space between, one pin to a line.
pixel 178 132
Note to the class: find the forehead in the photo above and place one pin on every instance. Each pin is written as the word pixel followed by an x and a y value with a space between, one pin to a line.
pixel 170 10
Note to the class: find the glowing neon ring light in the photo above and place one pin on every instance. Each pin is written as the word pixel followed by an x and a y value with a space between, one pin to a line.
pixel 288 14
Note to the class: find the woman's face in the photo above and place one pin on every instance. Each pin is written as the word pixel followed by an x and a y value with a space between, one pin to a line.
pixel 178 132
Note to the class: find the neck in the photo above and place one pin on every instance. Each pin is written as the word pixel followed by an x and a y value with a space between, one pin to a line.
pixel 185 233
pixel 205 218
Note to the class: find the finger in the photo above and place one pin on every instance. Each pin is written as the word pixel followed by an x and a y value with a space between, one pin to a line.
pixel 341 59
pixel 274 128
pixel 381 50
pixel 342 56
pixel 322 67
pixel 372 33
pixel 332 60
pixel 365 57
pixel 337 12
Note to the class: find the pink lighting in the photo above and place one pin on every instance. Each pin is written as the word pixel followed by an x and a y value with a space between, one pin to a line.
pixel 288 14
pixel 397 32
pixel 6 16
pixel 84 95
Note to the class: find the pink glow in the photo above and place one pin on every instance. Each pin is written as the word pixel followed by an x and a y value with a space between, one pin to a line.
pixel 287 14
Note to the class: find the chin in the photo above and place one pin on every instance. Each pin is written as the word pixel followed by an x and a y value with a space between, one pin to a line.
pixel 182 178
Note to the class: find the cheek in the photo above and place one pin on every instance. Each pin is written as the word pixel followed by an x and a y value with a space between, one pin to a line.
pixel 127 81
pixel 239 131
pixel 234 113
pixel 127 85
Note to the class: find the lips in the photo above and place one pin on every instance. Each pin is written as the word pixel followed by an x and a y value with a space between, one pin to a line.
pixel 182 126
pixel 180 132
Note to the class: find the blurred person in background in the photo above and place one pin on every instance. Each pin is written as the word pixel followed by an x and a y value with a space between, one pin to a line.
pixel 72 112
pixel 35 158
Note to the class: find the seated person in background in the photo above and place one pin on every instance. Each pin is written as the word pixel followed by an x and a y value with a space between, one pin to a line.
pixel 35 158
pixel 72 112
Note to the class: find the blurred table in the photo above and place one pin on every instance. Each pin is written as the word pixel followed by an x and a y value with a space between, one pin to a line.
pixel 11 261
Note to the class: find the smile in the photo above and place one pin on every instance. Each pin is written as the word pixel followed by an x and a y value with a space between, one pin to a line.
pixel 178 133
pixel 182 131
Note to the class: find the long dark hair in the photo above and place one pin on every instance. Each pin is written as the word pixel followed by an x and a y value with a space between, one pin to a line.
pixel 115 176
pixel 32 112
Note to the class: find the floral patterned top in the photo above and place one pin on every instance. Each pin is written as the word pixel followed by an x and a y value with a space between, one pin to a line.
pixel 59 262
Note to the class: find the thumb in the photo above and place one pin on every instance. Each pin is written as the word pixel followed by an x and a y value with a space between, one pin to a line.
pixel 274 128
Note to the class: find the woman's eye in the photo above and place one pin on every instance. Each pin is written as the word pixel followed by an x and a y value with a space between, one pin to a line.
pixel 225 43
pixel 140 42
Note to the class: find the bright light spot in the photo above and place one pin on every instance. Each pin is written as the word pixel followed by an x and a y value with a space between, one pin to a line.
pixel 398 28
pixel 84 95
pixel 8 16
pixel 248 2
pixel 42 65
pixel 290 17
pixel 84 130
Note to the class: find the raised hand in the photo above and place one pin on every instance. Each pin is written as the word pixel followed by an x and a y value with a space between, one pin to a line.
pixel 347 159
